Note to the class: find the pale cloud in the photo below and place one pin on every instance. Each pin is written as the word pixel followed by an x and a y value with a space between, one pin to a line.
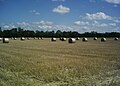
pixel 35 12
pixel 81 23
pixel 9 26
pixel 112 24
pixel 44 22
pixel 116 21
pixel 22 23
pixel 61 9
pixel 85 28
pixel 115 5
pixel 62 28
pixel 97 16
pixel 117 29
pixel 94 25
pixel 6 26
pixel 55 27
pixel 13 26
pixel 97 24
pixel 45 27
pixel 103 25
pixel 113 1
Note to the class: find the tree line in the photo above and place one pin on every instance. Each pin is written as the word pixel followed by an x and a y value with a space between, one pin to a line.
pixel 19 32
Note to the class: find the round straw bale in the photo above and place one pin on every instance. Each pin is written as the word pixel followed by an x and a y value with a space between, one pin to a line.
pixel 38 37
pixel 77 38
pixel 63 39
pixel 28 38
pixel 5 40
pixel 41 37
pixel 15 38
pixel 116 38
pixel 84 39
pixel 22 38
pixel 95 38
pixel 60 38
pixel 53 39
pixel 1 39
pixel 103 39
pixel 71 40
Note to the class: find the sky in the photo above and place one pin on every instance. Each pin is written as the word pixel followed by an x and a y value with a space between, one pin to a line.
pixel 64 15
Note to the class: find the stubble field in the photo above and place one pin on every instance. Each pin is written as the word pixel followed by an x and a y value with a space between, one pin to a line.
pixel 44 63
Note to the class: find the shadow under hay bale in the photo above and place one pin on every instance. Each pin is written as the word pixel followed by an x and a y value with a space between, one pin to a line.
pixel 84 39
pixel 5 40
pixel 71 40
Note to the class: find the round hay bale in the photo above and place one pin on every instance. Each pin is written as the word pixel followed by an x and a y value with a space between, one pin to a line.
pixel 84 39
pixel 1 39
pixel 28 38
pixel 33 37
pixel 22 38
pixel 63 39
pixel 41 37
pixel 116 38
pixel 38 38
pixel 60 38
pixel 53 39
pixel 103 39
pixel 77 38
pixel 15 38
pixel 5 40
pixel 71 40
pixel 95 38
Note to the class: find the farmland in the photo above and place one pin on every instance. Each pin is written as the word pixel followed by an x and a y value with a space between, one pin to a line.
pixel 44 63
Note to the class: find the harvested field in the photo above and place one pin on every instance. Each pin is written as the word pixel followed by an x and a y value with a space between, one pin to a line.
pixel 45 63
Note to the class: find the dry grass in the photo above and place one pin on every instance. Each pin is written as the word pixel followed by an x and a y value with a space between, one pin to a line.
pixel 46 63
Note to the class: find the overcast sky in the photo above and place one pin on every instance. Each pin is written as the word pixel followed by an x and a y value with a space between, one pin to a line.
pixel 64 15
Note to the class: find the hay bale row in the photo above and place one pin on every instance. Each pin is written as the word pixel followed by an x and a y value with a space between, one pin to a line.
pixel 40 37
pixel 14 38
pixel 70 40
